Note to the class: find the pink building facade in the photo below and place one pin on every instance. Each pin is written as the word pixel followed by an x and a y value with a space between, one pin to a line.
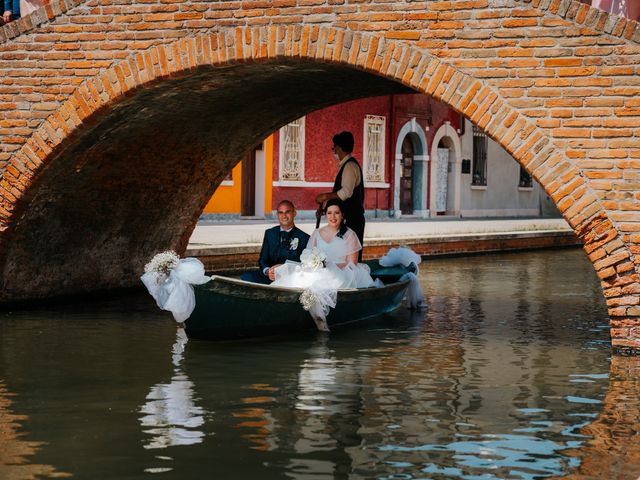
pixel 624 8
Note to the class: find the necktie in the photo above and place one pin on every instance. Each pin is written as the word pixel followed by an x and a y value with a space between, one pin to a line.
pixel 284 237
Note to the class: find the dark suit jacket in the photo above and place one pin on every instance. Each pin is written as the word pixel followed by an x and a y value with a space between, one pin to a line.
pixel 274 252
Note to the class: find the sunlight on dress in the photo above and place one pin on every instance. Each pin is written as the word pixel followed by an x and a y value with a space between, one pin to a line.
pixel 322 282
pixel 294 274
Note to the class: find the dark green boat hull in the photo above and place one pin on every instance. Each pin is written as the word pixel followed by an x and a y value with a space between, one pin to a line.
pixel 228 309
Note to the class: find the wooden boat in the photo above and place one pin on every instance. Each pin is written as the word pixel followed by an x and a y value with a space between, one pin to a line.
pixel 228 308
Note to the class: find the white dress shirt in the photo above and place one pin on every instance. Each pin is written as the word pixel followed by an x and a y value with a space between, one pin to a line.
pixel 350 178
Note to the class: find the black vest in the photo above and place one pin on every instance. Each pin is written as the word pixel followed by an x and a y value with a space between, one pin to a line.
pixel 354 205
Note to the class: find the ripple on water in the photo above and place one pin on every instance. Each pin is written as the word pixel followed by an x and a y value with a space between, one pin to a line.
pixel 507 374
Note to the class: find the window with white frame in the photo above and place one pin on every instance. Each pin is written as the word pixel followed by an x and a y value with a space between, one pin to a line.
pixel 374 138
pixel 480 145
pixel 292 151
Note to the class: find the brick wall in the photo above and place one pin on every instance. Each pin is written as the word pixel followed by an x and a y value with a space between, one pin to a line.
pixel 118 120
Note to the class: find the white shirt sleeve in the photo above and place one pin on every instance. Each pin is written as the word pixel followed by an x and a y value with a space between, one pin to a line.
pixel 350 180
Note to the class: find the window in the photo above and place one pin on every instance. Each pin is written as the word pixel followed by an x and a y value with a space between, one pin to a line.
pixel 480 143
pixel 292 151
pixel 525 179
pixel 374 131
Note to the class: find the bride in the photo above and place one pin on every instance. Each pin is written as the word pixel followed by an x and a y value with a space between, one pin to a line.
pixel 340 244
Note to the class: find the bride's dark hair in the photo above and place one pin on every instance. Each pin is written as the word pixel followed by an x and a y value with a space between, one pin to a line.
pixel 338 203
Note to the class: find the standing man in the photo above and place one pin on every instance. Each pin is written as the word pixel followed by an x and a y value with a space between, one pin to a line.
pixel 349 185
pixel 281 243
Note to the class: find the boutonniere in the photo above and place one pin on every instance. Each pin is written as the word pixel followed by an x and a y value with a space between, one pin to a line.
pixel 293 244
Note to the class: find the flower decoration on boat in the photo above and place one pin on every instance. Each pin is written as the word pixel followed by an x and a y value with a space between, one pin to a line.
pixel 312 259
pixel 308 299
pixel 294 243
pixel 162 263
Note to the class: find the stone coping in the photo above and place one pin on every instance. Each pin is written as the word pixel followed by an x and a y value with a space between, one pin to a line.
pixel 231 249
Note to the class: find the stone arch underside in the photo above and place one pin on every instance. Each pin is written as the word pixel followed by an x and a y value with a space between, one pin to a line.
pixel 134 178
pixel 582 147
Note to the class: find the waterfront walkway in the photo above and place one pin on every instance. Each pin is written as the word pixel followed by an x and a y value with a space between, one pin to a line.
pixel 234 245
pixel 247 232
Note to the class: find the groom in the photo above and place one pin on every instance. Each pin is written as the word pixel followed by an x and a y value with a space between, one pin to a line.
pixel 281 243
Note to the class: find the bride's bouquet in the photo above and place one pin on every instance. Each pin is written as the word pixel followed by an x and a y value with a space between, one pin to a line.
pixel 312 259
pixel 162 264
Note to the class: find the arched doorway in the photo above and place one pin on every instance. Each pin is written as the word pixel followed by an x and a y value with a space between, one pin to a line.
pixel 442 168
pixel 445 172
pixel 406 177
pixel 411 171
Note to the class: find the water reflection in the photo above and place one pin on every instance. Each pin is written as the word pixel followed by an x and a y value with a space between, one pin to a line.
pixel 171 415
pixel 307 416
pixel 327 409
pixel 257 420
pixel 506 375
pixel 418 408
pixel 15 452
pixel 613 447
pixel 462 396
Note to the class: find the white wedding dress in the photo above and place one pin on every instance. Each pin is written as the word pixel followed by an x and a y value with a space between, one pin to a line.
pixel 336 275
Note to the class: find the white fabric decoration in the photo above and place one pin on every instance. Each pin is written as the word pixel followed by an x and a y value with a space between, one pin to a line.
pixel 415 297
pixel 171 286
pixel 317 301
pixel 400 256
pixel 405 256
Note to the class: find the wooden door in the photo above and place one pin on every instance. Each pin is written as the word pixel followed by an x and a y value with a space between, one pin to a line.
pixel 248 204
pixel 406 177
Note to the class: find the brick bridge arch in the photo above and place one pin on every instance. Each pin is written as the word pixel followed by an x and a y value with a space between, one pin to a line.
pixel 99 167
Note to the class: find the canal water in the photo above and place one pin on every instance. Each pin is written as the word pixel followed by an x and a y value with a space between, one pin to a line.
pixel 507 375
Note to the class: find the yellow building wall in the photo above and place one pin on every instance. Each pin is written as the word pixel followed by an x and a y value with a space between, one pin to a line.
pixel 268 178
pixel 227 198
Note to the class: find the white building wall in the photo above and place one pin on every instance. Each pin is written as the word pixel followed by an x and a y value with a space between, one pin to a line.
pixel 501 197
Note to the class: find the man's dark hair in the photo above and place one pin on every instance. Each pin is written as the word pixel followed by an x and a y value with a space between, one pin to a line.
pixel 287 202
pixel 344 140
